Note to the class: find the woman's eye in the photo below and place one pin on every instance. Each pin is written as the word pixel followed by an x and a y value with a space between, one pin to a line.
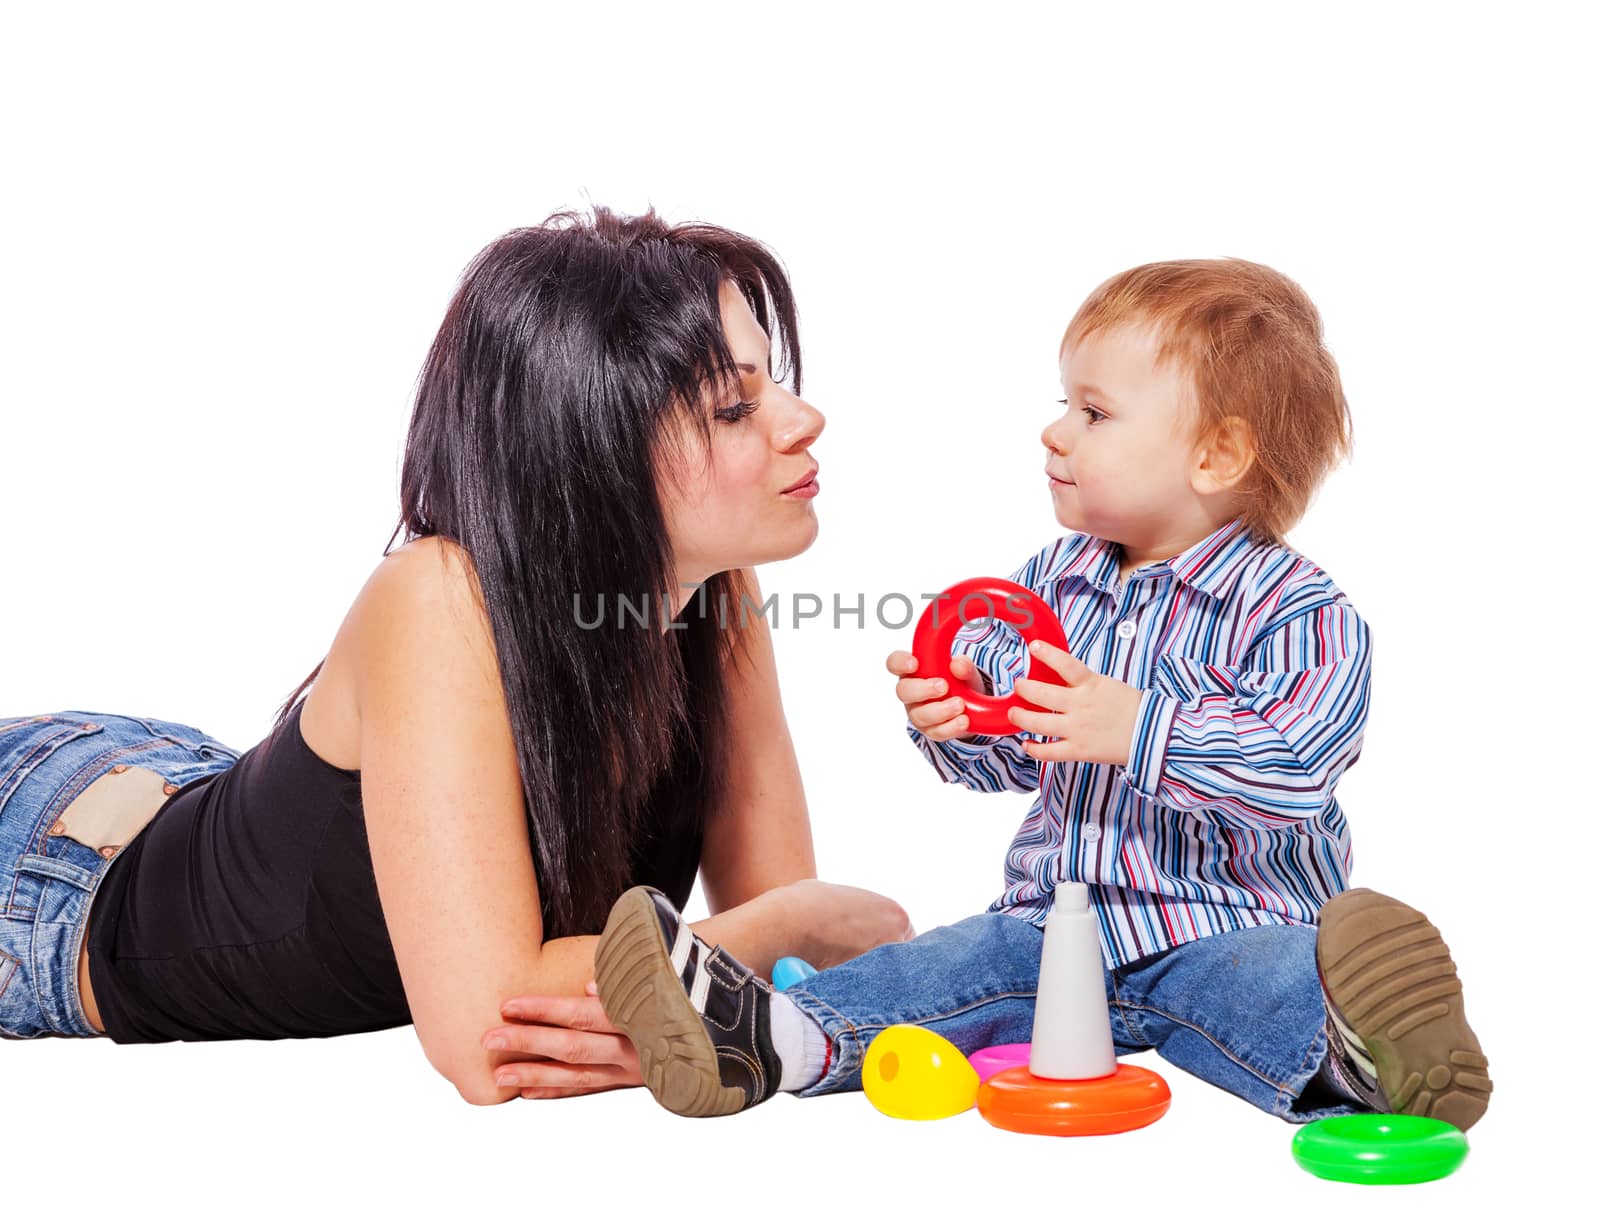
pixel 739 411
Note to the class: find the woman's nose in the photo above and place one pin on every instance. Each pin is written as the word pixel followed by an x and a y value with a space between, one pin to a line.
pixel 800 426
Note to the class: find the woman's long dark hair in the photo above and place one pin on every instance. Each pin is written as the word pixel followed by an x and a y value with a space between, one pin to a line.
pixel 540 412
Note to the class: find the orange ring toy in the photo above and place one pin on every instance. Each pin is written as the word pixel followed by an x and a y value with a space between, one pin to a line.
pixel 1130 1097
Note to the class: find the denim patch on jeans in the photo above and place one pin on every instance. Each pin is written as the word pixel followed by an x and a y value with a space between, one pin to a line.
pixel 48 877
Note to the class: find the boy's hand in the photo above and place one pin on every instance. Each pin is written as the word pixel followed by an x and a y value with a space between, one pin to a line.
pixel 936 719
pixel 1093 715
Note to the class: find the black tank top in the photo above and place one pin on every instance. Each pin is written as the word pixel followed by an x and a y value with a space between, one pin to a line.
pixel 247 907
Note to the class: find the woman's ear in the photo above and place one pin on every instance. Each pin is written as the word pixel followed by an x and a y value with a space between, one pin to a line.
pixel 1221 461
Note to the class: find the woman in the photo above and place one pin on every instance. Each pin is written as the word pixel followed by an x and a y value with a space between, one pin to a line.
pixel 549 692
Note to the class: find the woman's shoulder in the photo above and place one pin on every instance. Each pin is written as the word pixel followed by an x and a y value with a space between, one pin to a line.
pixel 426 564
pixel 418 621
pixel 424 587
pixel 430 572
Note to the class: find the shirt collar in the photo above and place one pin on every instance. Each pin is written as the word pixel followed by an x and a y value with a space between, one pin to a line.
pixel 1211 566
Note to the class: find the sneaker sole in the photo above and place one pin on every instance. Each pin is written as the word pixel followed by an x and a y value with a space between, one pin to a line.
pixel 1387 970
pixel 643 997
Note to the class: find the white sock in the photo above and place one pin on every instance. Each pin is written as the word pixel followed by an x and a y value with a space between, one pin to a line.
pixel 801 1046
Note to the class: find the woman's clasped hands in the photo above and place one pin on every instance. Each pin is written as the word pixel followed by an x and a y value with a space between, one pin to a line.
pixel 572 1047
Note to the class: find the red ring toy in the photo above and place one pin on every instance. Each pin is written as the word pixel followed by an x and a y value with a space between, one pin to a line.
pixel 976 598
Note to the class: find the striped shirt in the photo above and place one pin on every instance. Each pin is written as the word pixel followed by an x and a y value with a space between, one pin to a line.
pixel 1254 672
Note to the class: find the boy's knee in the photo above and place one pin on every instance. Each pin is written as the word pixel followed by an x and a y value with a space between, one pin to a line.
pixel 1267 966
pixel 1280 948
pixel 1000 931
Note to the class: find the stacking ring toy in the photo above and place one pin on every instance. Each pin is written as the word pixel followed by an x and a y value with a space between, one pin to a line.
pixel 916 1074
pixel 990 1061
pixel 972 599
pixel 1374 1149
pixel 1130 1097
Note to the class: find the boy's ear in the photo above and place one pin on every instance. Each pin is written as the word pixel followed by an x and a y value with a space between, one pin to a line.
pixel 1223 458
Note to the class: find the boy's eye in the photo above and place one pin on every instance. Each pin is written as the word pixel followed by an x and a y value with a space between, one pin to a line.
pixel 738 411
pixel 1094 413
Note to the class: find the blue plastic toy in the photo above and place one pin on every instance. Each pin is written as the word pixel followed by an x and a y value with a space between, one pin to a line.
pixel 789 970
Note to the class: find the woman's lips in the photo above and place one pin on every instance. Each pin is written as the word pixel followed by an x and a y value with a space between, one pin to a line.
pixel 806 486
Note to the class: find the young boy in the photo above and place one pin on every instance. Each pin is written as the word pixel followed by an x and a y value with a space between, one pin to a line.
pixel 1217 687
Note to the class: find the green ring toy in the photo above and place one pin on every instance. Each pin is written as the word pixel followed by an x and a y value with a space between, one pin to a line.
pixel 1374 1149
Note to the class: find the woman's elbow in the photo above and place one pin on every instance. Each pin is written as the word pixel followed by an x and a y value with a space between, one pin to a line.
pixel 482 1091
pixel 474 1081
pixel 470 1074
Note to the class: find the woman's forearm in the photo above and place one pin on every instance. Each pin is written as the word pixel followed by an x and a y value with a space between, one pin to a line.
pixel 565 967
pixel 756 932
pixel 760 931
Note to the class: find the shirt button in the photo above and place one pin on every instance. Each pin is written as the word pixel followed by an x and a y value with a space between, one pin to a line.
pixel 1091 832
pixel 1126 629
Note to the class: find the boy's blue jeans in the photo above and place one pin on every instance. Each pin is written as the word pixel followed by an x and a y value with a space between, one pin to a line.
pixel 1243 1010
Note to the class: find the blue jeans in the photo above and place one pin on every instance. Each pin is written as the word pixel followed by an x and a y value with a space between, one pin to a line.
pixel 48 879
pixel 1242 1010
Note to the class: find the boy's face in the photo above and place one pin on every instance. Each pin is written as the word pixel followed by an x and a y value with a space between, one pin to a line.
pixel 1120 458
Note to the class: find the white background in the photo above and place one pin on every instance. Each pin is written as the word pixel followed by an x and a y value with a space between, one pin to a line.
pixel 230 234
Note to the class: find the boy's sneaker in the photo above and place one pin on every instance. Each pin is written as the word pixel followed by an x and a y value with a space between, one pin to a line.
pixel 1395 1002
pixel 700 1021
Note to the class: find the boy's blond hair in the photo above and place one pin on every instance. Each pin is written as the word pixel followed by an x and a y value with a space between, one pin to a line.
pixel 1251 342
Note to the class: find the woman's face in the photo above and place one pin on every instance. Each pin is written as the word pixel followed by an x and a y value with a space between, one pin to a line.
pixel 738 504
